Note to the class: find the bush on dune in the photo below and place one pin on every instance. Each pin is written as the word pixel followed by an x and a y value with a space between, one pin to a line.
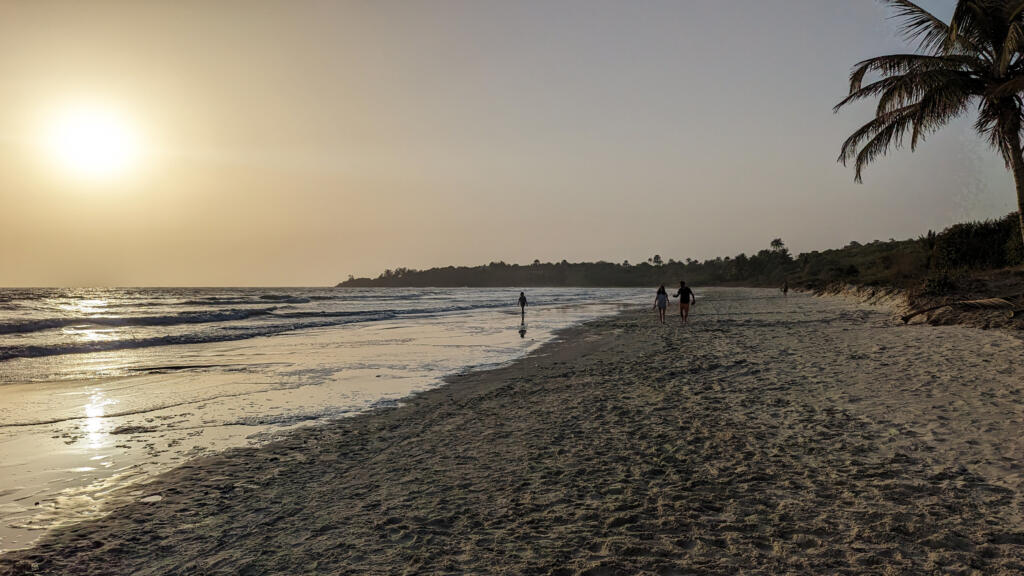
pixel 979 245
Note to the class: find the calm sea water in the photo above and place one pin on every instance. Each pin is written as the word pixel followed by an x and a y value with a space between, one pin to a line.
pixel 101 388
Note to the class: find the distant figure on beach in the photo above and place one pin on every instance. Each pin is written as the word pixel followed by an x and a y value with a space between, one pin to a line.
pixel 661 302
pixel 522 306
pixel 686 298
pixel 785 287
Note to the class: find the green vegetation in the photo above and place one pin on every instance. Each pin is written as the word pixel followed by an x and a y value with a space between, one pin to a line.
pixel 974 61
pixel 931 263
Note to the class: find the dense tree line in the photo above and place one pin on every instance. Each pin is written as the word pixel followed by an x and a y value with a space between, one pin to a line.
pixel 923 261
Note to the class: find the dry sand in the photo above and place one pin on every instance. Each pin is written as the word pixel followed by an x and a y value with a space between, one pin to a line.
pixel 824 438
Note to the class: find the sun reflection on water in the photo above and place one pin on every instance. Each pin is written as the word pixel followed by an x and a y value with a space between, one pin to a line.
pixel 91 334
pixel 86 306
pixel 94 412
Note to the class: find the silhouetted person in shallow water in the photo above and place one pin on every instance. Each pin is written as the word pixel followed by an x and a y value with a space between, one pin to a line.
pixel 661 302
pixel 522 306
pixel 785 287
pixel 686 298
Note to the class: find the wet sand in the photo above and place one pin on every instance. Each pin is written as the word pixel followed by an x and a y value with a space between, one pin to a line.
pixel 771 436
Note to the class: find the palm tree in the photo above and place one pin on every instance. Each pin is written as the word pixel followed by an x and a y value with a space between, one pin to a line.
pixel 974 60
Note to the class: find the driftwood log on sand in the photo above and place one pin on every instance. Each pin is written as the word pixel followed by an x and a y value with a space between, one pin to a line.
pixel 1003 303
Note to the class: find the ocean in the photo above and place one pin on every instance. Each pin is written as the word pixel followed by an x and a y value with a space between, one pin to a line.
pixel 102 388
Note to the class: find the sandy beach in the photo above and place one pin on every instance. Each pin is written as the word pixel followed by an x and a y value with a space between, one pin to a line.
pixel 771 436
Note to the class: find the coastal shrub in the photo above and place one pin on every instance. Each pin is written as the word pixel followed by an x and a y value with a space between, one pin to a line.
pixel 939 282
pixel 979 245
pixel 841 273
pixel 910 265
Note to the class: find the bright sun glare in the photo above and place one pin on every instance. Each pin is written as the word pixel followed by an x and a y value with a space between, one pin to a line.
pixel 93 143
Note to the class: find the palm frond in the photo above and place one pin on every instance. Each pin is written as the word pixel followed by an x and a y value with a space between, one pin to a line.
pixel 970 24
pixel 920 26
pixel 878 136
pixel 936 108
pixel 986 304
pixel 1011 47
pixel 1013 44
pixel 987 125
pixel 896 64
pixel 868 131
pixel 1008 88
pixel 902 90
pixel 998 119
pixel 915 107
pixel 1015 11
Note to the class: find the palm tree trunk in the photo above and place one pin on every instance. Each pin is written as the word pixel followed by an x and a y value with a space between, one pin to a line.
pixel 1017 163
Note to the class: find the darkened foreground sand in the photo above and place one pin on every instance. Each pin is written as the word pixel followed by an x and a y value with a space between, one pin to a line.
pixel 820 439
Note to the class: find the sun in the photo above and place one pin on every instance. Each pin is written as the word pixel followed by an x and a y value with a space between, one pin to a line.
pixel 92 142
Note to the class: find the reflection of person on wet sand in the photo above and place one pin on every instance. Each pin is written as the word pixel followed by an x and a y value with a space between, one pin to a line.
pixel 522 330
pixel 522 305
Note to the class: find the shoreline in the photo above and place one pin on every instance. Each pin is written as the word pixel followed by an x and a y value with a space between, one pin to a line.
pixel 607 451
pixel 69 444
pixel 456 386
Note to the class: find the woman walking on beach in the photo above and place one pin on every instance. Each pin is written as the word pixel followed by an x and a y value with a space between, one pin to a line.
pixel 686 298
pixel 661 302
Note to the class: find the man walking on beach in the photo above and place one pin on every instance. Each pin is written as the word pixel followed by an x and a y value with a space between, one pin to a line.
pixel 522 306
pixel 686 298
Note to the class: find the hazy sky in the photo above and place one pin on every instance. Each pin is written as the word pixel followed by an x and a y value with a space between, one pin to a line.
pixel 294 143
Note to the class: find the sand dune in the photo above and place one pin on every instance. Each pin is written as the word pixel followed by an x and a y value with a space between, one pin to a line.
pixel 772 436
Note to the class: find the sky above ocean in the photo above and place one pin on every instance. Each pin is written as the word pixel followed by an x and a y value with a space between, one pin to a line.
pixel 295 143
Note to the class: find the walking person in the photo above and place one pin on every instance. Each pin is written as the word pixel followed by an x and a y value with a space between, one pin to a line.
pixel 661 302
pixel 686 299
pixel 522 307
pixel 785 287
